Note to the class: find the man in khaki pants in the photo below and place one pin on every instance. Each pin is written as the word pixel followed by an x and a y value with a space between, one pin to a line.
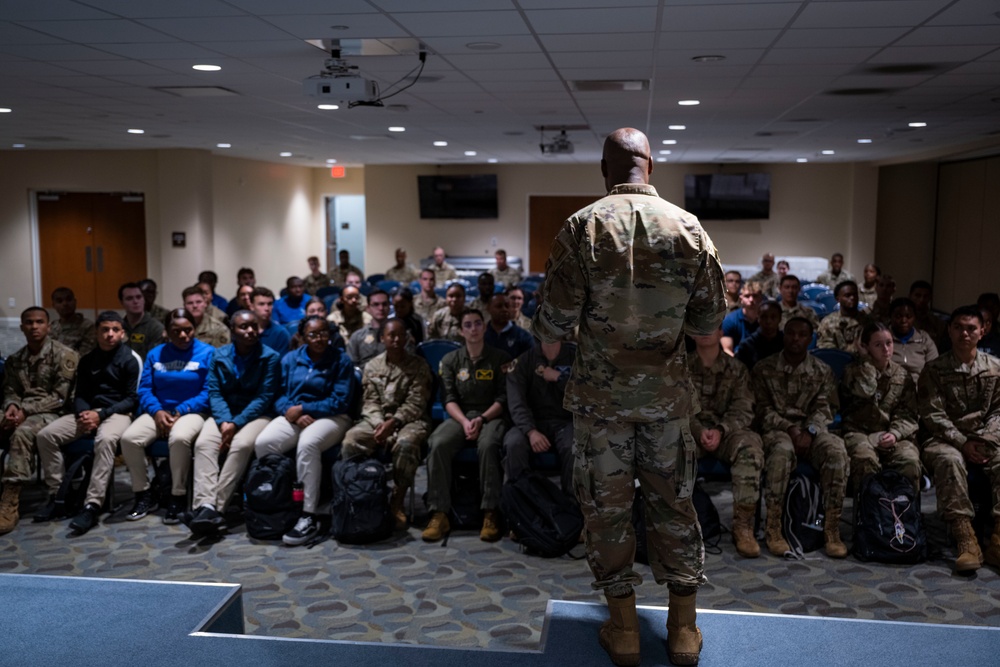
pixel 105 398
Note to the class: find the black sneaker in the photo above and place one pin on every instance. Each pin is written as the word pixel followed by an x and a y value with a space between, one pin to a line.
pixel 206 521
pixel 86 519
pixel 174 510
pixel 144 504
pixel 305 529
pixel 50 511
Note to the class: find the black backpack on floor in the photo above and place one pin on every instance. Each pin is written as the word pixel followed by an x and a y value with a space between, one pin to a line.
pixel 269 509
pixel 888 527
pixel 72 492
pixel 708 519
pixel 360 505
pixel 803 517
pixel 466 512
pixel 545 520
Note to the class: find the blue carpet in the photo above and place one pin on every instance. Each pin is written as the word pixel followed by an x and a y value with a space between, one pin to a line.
pixel 83 621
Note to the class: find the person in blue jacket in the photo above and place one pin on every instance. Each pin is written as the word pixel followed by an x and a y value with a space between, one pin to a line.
pixel 242 384
pixel 291 307
pixel 317 389
pixel 173 404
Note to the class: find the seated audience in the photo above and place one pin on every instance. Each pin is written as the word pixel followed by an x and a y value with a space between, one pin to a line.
pixel 149 292
pixel 37 385
pixel 790 306
pixel 782 267
pixel 72 329
pixel 347 314
pixel 402 304
pixel 443 271
pixel 487 287
pixel 338 274
pixel 741 323
pixel 447 322
pixel 103 402
pixel 315 306
pixel 921 294
pixel 503 334
pixel 867 292
pixel 733 283
pixel 211 278
pixel 474 392
pixel 504 274
pixel 515 302
pixel 990 341
pixel 315 394
pixel 291 308
pixel 768 339
pixel 836 274
pixel 394 417
pixel 959 404
pixel 244 277
pixel 885 289
pixel 173 404
pixel 722 430
pixel 402 272
pixel 796 398
pixel 315 280
pixel 142 332
pixel 366 342
pixel 911 347
pixel 841 329
pixel 271 335
pixel 766 278
pixel 427 302
pixel 207 329
pixel 218 314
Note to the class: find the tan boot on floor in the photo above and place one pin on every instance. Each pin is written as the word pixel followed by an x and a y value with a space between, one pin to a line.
pixel 683 636
pixel 619 635
pixel 743 537
pixel 776 543
pixel 970 558
pixel 831 532
pixel 491 527
pixel 992 555
pixel 9 503
pixel 396 506
pixel 437 528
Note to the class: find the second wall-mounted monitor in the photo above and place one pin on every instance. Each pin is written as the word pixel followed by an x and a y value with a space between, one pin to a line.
pixel 728 196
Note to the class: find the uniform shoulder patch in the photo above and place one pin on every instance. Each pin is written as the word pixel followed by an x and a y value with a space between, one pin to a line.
pixel 463 374
pixel 67 366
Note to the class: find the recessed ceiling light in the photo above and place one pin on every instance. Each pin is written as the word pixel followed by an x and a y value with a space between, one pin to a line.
pixel 864 141
pixel 331 161
pixel 661 159
pixel 669 142
pixel 665 152
pixel 918 124
pixel 482 46
pixel 285 154
pixel 223 145
pixel 5 110
pixel 493 160
pixel 206 68
pixel 688 103
pixel 801 159
pixel 470 153
pixel 136 131
pixel 708 59
pixel 17 146
pixel 677 127
pixel 327 107
pixel 397 128
pixel 827 152
pixel 440 144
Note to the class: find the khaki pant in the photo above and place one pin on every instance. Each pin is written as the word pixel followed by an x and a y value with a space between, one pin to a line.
pixel 827 454
pixel 947 464
pixel 743 451
pixel 142 433
pixel 310 442
pixel 444 443
pixel 407 448
pixel 212 486
pixel 65 430
pixel 19 468
pixel 867 459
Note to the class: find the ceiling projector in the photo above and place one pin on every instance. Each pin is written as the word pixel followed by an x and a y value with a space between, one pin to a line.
pixel 338 83
pixel 559 145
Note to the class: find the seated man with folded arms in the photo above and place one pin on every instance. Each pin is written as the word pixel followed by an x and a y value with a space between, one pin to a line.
pixel 503 334
pixel 722 430
pixel 142 332
pixel 366 343
pixel 447 322
pixel 292 307
pixel 742 322
pixel 911 347
pixel 474 392
pixel 536 387
pixel 867 292
pixel 315 280
pixel 243 381
pixel 272 335
pixel 72 329
pixel 443 271
pixel 206 329
pixel 768 339
pixel 796 398
pixel 958 399
pixel 37 385
pixel 790 307
pixel 103 402
pixel 766 277
pixel 427 302
pixel 397 391
pixel 841 329
pixel 836 274
pixel 338 273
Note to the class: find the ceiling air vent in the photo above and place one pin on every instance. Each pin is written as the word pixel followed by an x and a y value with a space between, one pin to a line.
pixel 608 85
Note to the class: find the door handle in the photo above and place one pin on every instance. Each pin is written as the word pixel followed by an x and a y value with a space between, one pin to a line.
pixel 88 259
pixel 100 259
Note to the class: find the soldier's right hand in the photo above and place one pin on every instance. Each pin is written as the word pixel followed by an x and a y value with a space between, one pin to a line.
pixel 539 443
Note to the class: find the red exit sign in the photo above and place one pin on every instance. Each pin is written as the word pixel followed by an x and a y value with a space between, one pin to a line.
pixel 337 172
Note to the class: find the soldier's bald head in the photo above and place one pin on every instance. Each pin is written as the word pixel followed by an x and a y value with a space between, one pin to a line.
pixel 626 157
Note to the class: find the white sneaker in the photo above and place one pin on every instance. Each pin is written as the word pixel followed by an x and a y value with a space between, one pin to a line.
pixel 305 528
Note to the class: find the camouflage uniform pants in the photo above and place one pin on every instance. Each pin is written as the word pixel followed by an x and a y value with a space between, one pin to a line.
pixel 407 448
pixel 610 456
pixel 948 467
pixel 827 454
pixel 867 459
pixel 19 466
pixel 743 451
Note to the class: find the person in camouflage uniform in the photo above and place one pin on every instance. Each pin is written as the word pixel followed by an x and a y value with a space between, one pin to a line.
pixel 505 274
pixel 447 322
pixel 880 308
pixel 841 329
pixel 790 306
pixel 206 329
pixel 959 404
pixel 37 385
pixel 142 332
pixel 486 284
pixel 922 294
pixel 397 392
pixel 315 279
pixel 766 277
pixel 443 271
pixel 515 301
pixel 366 343
pixel 427 302
pixel 402 272
pixel 149 293
pixel 635 273
pixel 836 274
pixel 796 399
pixel 721 429
pixel 347 314
pixel 72 329
pixel 338 274
pixel 879 410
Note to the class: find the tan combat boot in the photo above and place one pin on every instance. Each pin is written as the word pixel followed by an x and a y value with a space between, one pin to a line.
pixel 491 527
pixel 970 558
pixel 683 636
pixel 992 555
pixel 743 537
pixel 831 532
pixel 9 503
pixel 776 543
pixel 437 528
pixel 619 634
pixel 396 506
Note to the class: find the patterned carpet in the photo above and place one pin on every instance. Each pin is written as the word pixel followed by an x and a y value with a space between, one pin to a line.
pixel 472 594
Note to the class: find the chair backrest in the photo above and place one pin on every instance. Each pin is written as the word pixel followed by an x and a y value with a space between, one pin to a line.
pixel 366 288
pixel 355 408
pixel 829 302
pixel 813 290
pixel 387 285
pixel 415 287
pixel 375 278
pixel 324 292
pixel 837 360
pixel 329 299
pixel 817 307
pixel 434 350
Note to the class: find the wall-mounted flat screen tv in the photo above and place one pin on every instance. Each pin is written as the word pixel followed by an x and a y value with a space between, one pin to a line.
pixel 728 196
pixel 472 196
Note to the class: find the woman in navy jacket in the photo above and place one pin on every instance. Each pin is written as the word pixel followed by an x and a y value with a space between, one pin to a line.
pixel 317 388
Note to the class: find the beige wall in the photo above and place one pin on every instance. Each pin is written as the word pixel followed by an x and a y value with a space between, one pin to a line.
pixel 904 243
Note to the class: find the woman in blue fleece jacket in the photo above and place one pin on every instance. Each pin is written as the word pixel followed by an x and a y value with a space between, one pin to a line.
pixel 173 403
pixel 317 388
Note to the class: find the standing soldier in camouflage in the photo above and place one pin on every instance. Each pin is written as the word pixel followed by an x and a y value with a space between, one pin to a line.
pixel 37 384
pixel 841 329
pixel 397 392
pixel 796 398
pixel 72 329
pixel 635 273
pixel 880 410
pixel 721 429
pixel 959 404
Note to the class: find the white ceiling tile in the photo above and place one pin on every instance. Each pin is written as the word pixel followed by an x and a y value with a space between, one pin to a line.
pixel 359 26
pixel 623 5
pixel 755 16
pixel 602 59
pixel 868 13
pixel 635 41
pixel 930 54
pixel 162 50
pixel 949 35
pixel 133 9
pixel 486 76
pixel 403 6
pixel 717 41
pixel 56 52
pixel 682 60
pixel 818 56
pixel 232 28
pixel 591 73
pixel 265 48
pixel 813 38
pixel 15 34
pixel 32 10
pixel 472 24
pixel 97 32
pixel 508 44
pixel 471 63
pixel 580 21
pixel 968 12
pixel 112 67
pixel 33 68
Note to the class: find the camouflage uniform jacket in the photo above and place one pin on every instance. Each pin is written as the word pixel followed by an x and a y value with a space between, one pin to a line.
pixel 509 277
pixel 635 273
pixel 402 392
pixel 212 331
pixel 522 321
pixel 827 278
pixel 348 325
pixel 366 343
pixel 338 275
pixel 956 401
pixel 445 326
pixel 866 296
pixel 443 273
pixel 724 395
pixel 80 334
pixel 786 395
pixel 798 310
pixel 480 305
pixel 42 383
pixel 404 276
pixel 768 283
pixel 158 313
pixel 934 327
pixel 874 400
pixel 732 303
pixel 878 313
pixel 216 314
pixel 837 331
pixel 426 309
pixel 315 283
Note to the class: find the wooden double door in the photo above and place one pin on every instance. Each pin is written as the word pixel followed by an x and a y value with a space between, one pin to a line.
pixel 91 243
pixel 546 215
